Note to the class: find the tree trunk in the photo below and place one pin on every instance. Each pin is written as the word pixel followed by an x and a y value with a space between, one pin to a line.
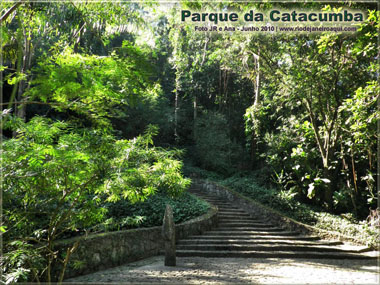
pixel 195 114
pixel 24 58
pixel 331 174
pixel 253 148
pixel 326 148
pixel 176 138
pixel 256 104
pixel 10 11
pixel 25 63
pixel 257 85
pixel 328 194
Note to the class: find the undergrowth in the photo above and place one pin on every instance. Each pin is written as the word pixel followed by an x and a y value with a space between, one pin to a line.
pixel 125 215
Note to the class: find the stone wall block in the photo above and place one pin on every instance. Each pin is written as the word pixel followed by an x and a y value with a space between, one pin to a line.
pixel 105 250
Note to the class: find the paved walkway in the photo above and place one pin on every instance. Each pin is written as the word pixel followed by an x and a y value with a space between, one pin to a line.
pixel 246 249
pixel 199 270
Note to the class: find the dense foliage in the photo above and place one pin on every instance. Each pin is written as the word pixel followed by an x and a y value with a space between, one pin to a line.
pixel 151 212
pixel 87 86
pixel 57 179
pixel 308 104
pixel 68 149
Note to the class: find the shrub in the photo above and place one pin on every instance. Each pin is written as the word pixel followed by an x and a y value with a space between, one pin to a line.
pixel 56 177
pixel 151 211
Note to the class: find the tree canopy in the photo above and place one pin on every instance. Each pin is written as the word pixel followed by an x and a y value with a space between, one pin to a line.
pixel 104 101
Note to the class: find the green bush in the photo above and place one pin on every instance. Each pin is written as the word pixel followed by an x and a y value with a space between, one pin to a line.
pixel 56 177
pixel 281 200
pixel 190 170
pixel 151 211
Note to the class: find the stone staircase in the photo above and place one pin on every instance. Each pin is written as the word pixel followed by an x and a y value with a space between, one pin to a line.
pixel 240 234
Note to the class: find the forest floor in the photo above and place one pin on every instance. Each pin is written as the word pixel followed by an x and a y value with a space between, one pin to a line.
pixel 198 270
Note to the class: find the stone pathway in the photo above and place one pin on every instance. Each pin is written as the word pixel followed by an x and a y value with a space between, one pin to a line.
pixel 246 249
pixel 241 234
pixel 200 270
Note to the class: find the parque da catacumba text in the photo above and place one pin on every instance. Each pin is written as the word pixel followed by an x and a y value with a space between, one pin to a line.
pixel 273 16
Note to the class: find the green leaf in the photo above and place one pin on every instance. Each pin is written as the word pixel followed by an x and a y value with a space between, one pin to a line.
pixel 311 191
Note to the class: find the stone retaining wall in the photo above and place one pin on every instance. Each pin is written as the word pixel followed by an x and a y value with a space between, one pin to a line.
pixel 105 250
pixel 269 214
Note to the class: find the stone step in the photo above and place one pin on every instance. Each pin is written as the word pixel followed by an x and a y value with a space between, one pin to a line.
pixel 211 198
pixel 256 237
pixel 240 220
pixel 238 224
pixel 217 202
pixel 208 195
pixel 276 254
pixel 240 234
pixel 263 247
pixel 227 208
pixel 232 212
pixel 253 228
pixel 218 241
pixel 237 217
pixel 228 215
pixel 248 233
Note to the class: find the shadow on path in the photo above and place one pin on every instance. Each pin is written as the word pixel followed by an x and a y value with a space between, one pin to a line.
pixel 198 270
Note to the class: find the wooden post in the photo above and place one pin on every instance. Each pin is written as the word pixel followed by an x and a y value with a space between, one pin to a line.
pixel 168 233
